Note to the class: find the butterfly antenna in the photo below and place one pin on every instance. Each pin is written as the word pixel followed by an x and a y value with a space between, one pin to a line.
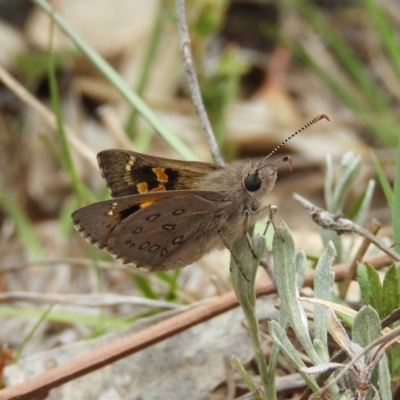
pixel 309 123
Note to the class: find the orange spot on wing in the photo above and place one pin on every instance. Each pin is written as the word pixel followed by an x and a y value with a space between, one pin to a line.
pixel 147 203
pixel 160 188
pixel 161 175
pixel 142 187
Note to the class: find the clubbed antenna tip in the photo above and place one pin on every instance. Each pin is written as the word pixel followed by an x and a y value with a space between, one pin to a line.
pixel 322 116
pixel 309 123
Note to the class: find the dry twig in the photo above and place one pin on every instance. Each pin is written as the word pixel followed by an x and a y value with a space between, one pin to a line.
pixel 193 82
pixel 336 223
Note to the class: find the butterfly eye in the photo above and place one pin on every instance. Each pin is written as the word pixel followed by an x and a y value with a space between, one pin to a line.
pixel 252 183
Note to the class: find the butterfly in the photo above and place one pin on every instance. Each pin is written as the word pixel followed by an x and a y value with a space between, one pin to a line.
pixel 167 214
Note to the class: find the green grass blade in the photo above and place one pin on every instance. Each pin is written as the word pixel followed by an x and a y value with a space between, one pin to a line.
pixel 385 128
pixel 145 287
pixel 363 111
pixel 171 279
pixel 306 58
pixel 344 54
pixel 387 33
pixel 64 317
pixel 370 287
pixel 390 291
pixel 148 63
pixel 24 228
pixel 396 203
pixel 384 181
pixel 21 347
pixel 55 101
pixel 116 80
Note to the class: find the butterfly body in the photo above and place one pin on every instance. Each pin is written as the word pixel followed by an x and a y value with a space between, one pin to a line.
pixel 167 214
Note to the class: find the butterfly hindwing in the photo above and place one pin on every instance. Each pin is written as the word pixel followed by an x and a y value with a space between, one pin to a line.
pixel 110 224
pixel 170 234
pixel 96 221
pixel 127 172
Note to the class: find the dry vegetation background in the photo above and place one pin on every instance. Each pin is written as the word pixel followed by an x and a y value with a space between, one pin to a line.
pixel 265 68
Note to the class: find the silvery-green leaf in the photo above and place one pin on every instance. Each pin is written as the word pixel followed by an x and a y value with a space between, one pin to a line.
pixel 322 350
pixel 243 373
pixel 323 286
pixel 244 289
pixel 329 183
pixel 366 203
pixel 321 368
pixel 348 171
pixel 301 260
pixel 279 337
pixel 332 236
pixel 285 270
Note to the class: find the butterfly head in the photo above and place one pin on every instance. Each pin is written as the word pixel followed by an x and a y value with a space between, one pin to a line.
pixel 261 180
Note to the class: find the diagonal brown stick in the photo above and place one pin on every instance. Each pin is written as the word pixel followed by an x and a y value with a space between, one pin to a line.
pixel 39 386
pixel 326 220
pixel 374 227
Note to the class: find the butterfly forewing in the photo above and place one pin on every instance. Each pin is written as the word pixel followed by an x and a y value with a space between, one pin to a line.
pixel 172 234
pixel 128 173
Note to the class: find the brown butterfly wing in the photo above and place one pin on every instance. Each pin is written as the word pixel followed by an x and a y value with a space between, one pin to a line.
pixel 97 221
pixel 110 224
pixel 127 172
pixel 170 234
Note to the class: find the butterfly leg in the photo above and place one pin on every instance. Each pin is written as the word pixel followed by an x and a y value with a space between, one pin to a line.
pixel 234 256
pixel 246 233
pixel 271 216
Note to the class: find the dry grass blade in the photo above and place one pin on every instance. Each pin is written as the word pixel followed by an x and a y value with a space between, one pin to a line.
pixel 87 300
pixel 47 116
